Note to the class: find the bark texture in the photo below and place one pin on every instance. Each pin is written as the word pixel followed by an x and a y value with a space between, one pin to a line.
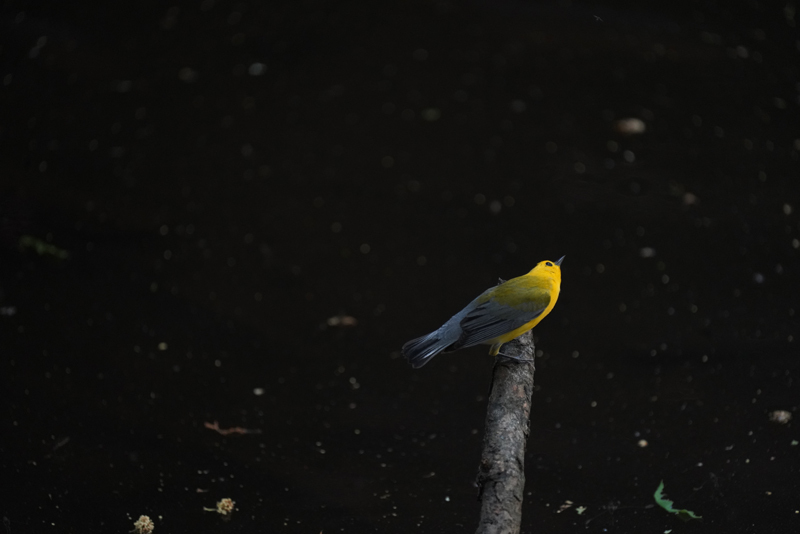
pixel 501 475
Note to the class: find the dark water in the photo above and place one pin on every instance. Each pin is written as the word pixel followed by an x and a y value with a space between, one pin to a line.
pixel 228 177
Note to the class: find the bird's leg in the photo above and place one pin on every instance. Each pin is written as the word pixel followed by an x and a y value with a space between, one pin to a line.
pixel 515 358
pixel 495 351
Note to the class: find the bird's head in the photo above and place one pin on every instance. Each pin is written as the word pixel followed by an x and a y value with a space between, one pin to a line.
pixel 549 268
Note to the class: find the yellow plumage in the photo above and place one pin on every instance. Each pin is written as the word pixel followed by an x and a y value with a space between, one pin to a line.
pixel 496 316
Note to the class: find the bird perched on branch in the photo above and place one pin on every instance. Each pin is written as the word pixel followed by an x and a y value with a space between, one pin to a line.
pixel 496 316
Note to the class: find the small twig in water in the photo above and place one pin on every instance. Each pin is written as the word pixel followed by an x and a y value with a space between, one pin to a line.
pixel 232 430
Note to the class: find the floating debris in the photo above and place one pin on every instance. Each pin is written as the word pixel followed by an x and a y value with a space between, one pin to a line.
pixel 630 126
pixel 143 525
pixel 342 320
pixel 780 416
pixel 232 430
pixel 224 507
pixel 567 505
pixel 666 504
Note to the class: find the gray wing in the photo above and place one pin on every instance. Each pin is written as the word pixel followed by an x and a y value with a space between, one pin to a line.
pixel 445 339
pixel 491 319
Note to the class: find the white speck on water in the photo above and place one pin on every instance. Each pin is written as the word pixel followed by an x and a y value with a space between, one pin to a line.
pixel 630 126
pixel 257 69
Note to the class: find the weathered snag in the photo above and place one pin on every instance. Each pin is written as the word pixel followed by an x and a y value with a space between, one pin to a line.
pixel 501 474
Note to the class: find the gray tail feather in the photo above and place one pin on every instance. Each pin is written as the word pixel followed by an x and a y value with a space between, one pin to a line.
pixel 418 351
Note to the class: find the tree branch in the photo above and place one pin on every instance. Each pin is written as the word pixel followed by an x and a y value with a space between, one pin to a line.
pixel 501 474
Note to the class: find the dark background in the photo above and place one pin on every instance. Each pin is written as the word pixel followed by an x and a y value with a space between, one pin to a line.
pixel 225 177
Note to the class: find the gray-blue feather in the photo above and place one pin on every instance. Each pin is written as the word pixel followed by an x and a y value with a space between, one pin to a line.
pixel 418 351
pixel 477 323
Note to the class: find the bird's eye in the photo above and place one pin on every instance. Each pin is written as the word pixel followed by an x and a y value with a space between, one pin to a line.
pixel 549 264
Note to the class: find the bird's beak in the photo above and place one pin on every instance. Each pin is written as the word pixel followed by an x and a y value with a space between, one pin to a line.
pixel 560 260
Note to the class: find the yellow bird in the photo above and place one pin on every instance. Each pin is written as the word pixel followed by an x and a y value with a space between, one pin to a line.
pixel 497 316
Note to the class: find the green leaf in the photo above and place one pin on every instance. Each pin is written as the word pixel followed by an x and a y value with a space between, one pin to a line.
pixel 666 504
